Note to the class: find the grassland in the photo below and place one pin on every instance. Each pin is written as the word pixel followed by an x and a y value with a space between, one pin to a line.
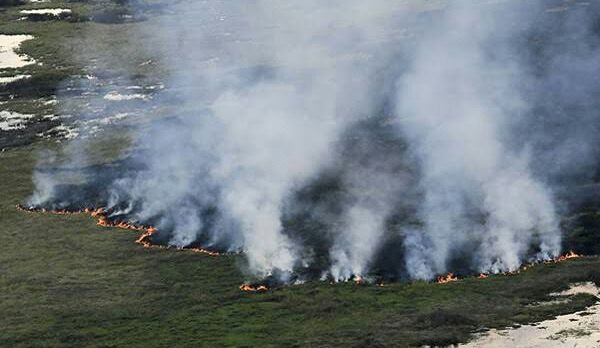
pixel 67 282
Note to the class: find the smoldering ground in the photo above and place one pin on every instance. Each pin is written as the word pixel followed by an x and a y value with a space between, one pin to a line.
pixel 345 139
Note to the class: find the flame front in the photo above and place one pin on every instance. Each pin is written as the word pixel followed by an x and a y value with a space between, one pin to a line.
pixel 450 277
pixel 102 220
pixel 253 288
pixel 570 255
pixel 147 231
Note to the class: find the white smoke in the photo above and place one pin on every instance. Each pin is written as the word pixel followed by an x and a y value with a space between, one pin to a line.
pixel 273 137
pixel 260 101
pixel 373 180
pixel 455 105
pixel 265 131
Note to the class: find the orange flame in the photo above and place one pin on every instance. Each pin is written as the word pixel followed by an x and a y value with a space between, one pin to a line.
pixel 450 277
pixel 253 288
pixel 570 255
pixel 102 220
pixel 204 251
pixel 144 239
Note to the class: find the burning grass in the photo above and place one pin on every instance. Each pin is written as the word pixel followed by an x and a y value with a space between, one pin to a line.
pixel 145 239
pixel 448 278
pixel 253 288
pixel 570 255
pixel 102 218
pixel 100 289
pixel 451 277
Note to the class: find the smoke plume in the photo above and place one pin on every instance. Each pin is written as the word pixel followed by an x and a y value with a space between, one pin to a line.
pixel 345 139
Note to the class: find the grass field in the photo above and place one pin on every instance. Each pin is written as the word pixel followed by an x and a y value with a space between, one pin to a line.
pixel 67 282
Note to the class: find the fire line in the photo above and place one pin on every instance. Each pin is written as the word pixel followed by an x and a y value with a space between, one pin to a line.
pixel 451 277
pixel 147 231
pixel 102 220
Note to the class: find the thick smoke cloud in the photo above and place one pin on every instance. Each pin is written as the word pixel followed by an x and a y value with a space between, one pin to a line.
pixel 281 93
pixel 343 139
pixel 454 105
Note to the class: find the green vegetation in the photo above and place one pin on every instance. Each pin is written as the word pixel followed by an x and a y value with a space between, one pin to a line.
pixel 67 282
pixel 11 2
pixel 68 51
pixel 571 333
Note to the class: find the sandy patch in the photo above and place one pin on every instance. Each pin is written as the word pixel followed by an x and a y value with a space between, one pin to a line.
pixel 13 120
pixel 159 86
pixel 104 121
pixel 9 79
pixel 97 125
pixel 580 288
pixel 8 57
pixel 51 102
pixel 51 117
pixel 47 11
pixel 113 119
pixel 581 329
pixel 115 96
pixel 61 131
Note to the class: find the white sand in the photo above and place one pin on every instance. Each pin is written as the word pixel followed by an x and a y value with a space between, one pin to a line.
pixel 51 117
pixel 9 79
pixel 115 96
pixel 8 57
pixel 13 120
pixel 62 131
pixel 67 132
pixel 113 119
pixel 159 86
pixel 571 330
pixel 104 121
pixel 49 11
pixel 580 288
pixel 51 102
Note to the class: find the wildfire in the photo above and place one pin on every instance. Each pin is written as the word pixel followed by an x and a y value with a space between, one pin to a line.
pixel 95 212
pixel 102 220
pixel 570 255
pixel 204 251
pixel 450 277
pixel 147 231
pixel 253 288
pixel 144 238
